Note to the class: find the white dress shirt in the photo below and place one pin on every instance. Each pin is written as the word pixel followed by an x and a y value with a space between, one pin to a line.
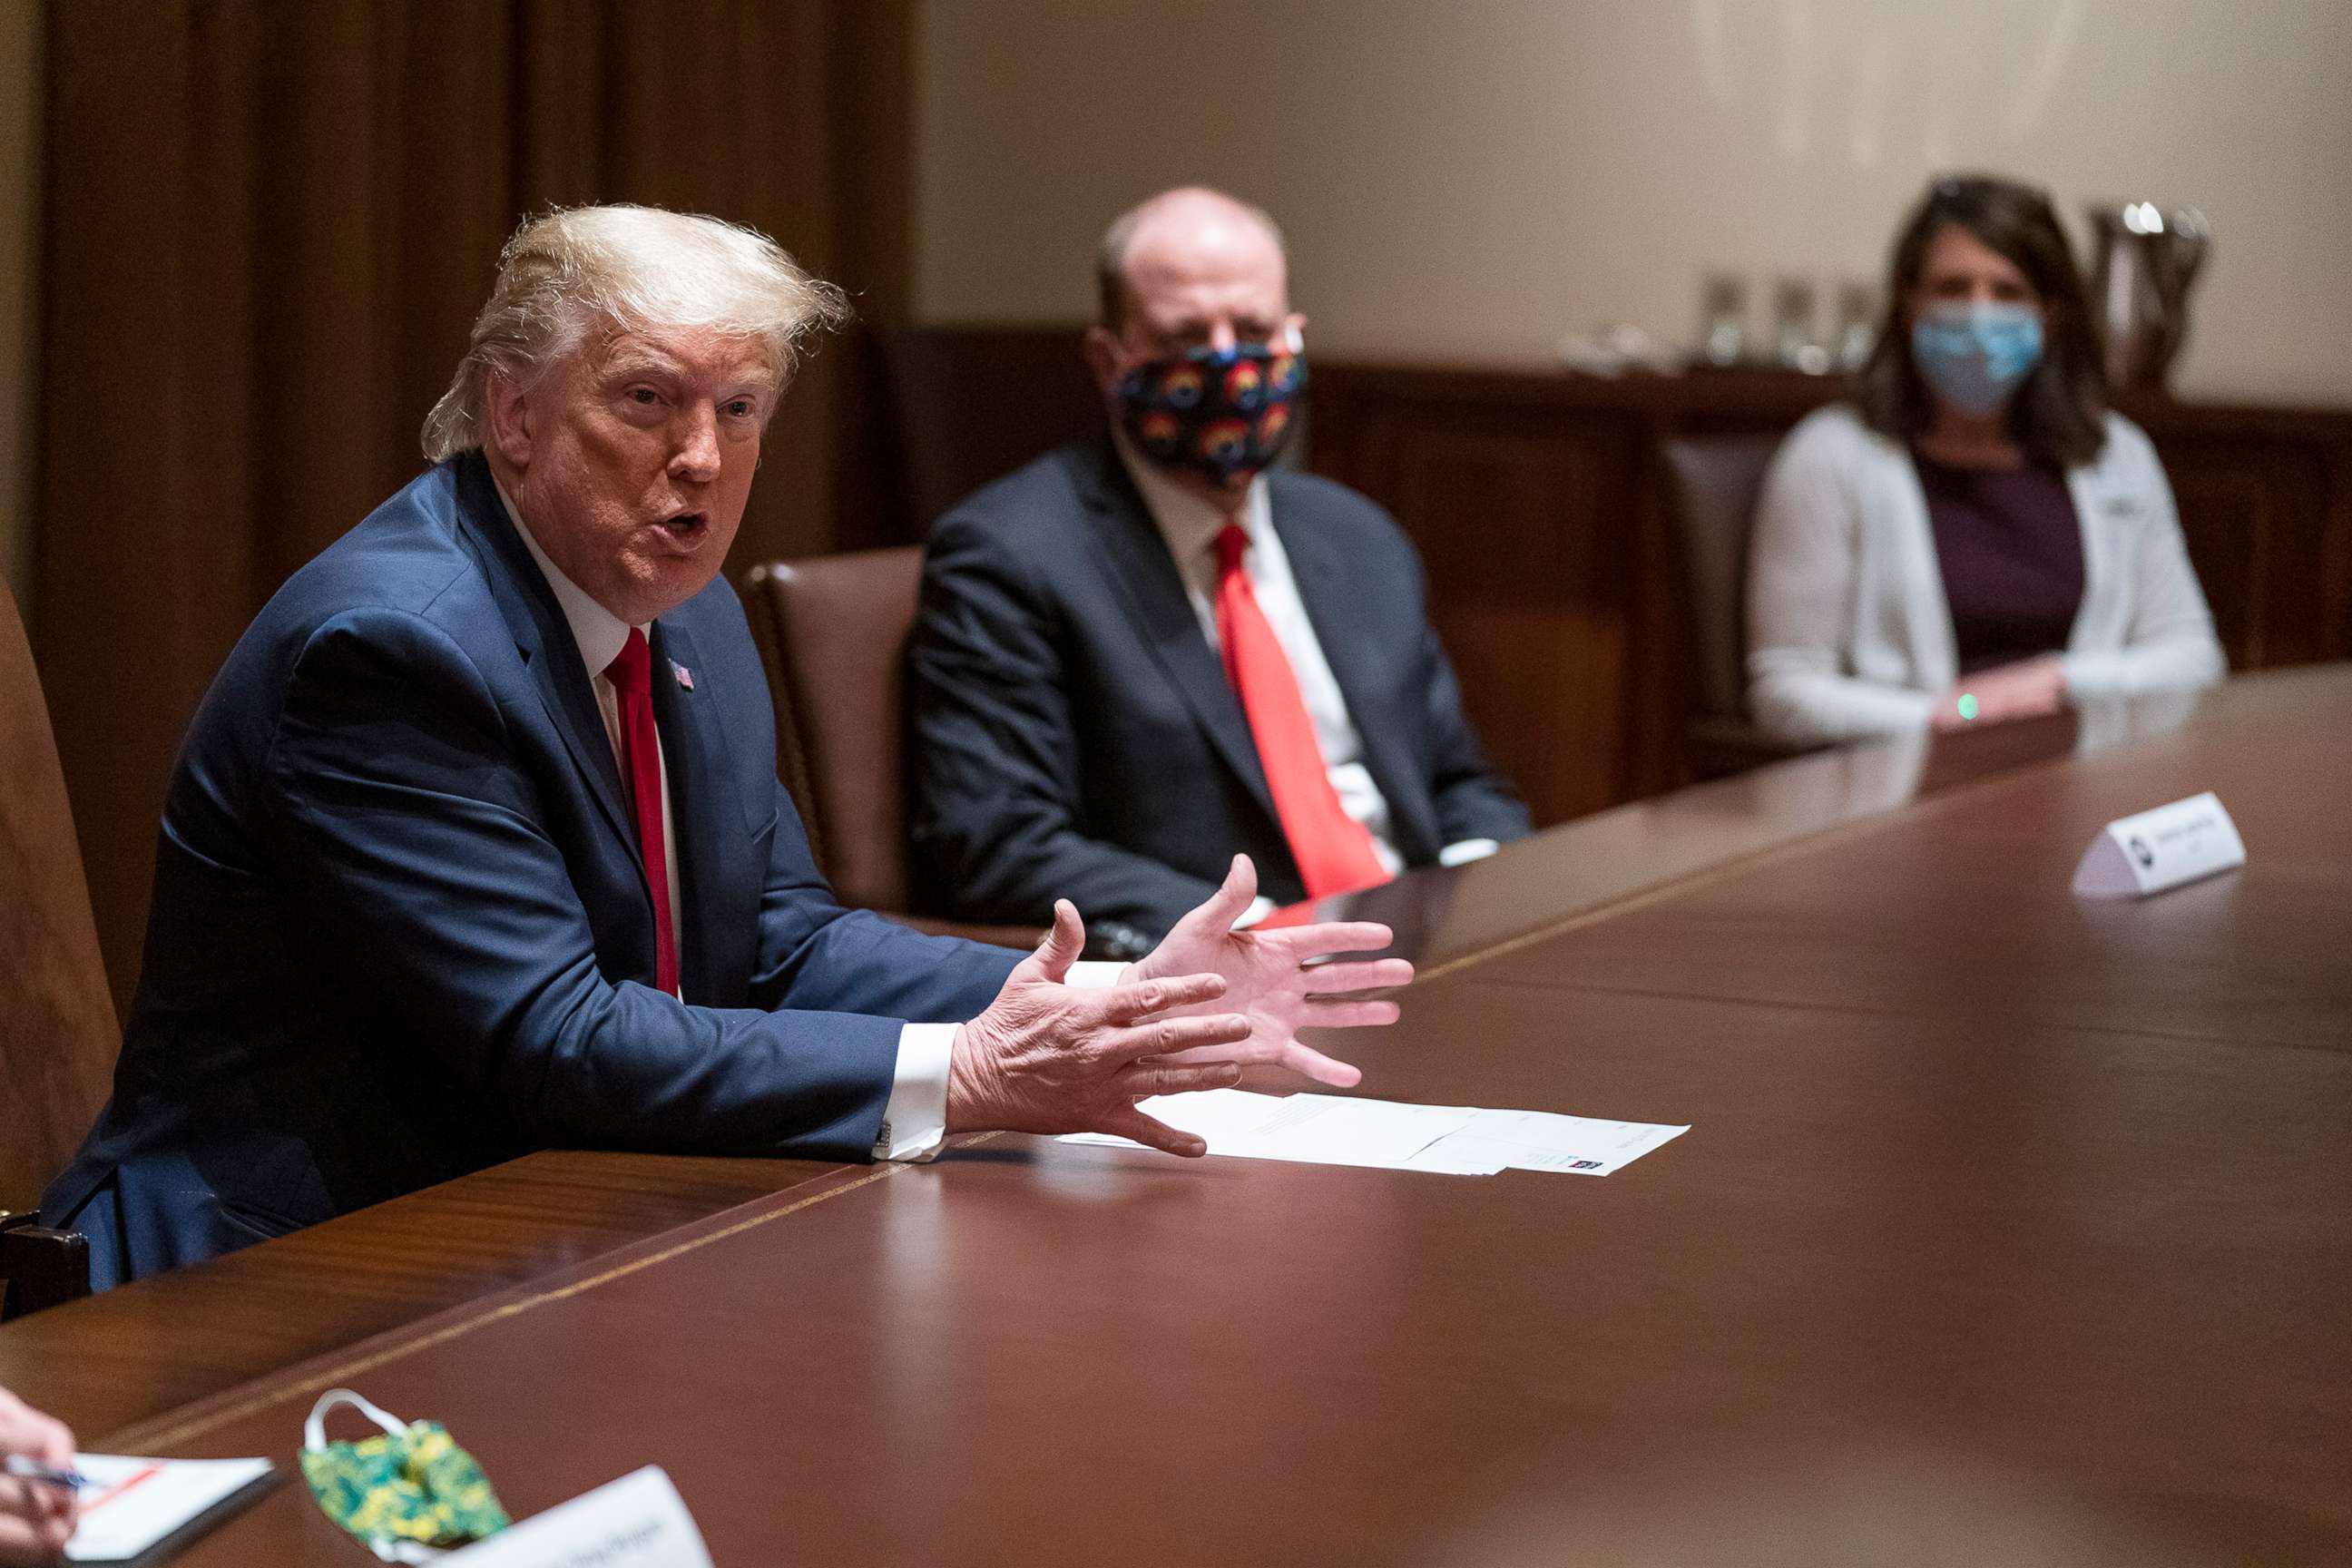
pixel 914 1121
pixel 1189 525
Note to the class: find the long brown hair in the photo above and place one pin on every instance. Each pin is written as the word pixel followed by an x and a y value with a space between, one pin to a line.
pixel 2060 414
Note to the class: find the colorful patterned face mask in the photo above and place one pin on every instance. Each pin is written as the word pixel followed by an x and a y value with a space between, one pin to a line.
pixel 1221 413
pixel 407 1495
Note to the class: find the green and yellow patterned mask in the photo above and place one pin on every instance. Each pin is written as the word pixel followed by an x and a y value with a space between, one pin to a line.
pixel 408 1494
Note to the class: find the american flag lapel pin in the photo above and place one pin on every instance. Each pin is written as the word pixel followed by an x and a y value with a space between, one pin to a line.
pixel 685 676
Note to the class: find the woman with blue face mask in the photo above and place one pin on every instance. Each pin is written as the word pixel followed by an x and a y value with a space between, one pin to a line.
pixel 1973 535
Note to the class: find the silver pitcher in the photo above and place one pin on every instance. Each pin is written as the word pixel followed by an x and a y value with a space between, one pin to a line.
pixel 2139 286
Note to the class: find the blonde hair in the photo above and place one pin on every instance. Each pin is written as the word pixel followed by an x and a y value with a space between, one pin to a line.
pixel 633 267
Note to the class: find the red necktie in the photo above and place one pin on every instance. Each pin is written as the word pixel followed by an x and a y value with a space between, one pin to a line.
pixel 631 674
pixel 1334 851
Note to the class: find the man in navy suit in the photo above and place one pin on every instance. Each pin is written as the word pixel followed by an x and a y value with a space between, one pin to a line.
pixel 476 845
pixel 1144 653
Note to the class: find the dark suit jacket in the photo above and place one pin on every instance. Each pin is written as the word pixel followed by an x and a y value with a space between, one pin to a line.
pixel 400 931
pixel 1075 732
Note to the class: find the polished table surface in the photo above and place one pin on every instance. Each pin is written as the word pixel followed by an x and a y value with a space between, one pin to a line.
pixel 2008 1225
pixel 135 1352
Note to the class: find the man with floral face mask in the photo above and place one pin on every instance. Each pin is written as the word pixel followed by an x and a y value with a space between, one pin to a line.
pixel 1153 649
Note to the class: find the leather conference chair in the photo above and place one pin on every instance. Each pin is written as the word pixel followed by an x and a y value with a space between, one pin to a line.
pixel 1712 483
pixel 833 631
pixel 58 1037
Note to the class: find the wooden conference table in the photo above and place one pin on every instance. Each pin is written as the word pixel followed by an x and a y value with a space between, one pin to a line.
pixel 2010 1227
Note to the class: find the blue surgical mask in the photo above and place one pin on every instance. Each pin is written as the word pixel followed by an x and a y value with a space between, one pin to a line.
pixel 1976 353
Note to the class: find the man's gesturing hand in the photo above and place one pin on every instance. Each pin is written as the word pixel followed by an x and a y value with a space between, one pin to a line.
pixel 1046 1058
pixel 35 1518
pixel 1271 981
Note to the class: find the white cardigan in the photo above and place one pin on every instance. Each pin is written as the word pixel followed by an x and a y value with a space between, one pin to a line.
pixel 1848 632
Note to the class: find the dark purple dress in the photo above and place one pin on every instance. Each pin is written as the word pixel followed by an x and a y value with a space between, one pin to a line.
pixel 2011 552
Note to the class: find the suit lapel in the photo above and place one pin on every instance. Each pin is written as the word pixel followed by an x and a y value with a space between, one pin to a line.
pixel 1335 602
pixel 538 625
pixel 1139 563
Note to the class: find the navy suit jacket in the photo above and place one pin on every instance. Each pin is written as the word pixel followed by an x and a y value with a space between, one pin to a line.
pixel 1076 735
pixel 400 931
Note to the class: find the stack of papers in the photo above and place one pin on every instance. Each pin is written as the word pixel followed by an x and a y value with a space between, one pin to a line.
pixel 134 1503
pixel 1340 1130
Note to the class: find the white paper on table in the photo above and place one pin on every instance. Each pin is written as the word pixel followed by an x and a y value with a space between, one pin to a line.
pixel 1546 1141
pixel 138 1502
pixel 637 1522
pixel 1386 1134
pixel 1314 1129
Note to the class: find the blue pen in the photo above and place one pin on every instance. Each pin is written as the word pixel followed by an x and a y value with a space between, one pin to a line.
pixel 28 1469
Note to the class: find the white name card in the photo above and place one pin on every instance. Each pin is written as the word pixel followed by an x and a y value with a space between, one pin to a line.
pixel 637 1522
pixel 2136 855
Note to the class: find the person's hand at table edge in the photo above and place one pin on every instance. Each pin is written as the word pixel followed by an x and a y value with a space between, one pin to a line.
pixel 1046 1058
pixel 1282 981
pixel 2025 690
pixel 37 1518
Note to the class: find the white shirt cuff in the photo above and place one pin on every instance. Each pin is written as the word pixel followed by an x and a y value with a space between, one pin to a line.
pixel 1093 974
pixel 1464 851
pixel 916 1119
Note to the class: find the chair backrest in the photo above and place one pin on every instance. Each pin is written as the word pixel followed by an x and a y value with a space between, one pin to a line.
pixel 58 1037
pixel 1712 483
pixel 833 632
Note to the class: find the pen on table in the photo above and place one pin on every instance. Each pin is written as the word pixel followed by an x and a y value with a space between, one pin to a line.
pixel 33 1471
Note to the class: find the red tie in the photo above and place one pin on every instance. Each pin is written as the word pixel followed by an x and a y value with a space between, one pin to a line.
pixel 631 674
pixel 1334 851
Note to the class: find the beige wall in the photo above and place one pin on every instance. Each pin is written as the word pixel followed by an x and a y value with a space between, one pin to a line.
pixel 20 207
pixel 1473 180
